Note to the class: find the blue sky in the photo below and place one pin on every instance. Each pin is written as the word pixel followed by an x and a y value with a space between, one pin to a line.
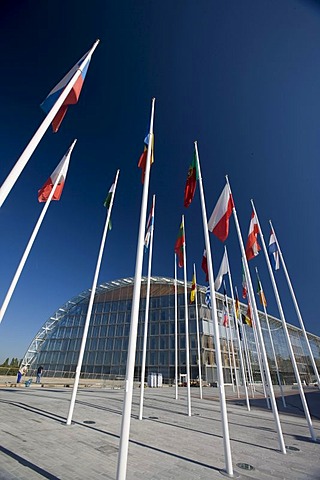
pixel 241 78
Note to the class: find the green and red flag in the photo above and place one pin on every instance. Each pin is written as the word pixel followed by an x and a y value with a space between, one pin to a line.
pixel 179 246
pixel 191 183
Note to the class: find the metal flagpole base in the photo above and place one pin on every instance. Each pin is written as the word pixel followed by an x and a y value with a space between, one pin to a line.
pixel 226 474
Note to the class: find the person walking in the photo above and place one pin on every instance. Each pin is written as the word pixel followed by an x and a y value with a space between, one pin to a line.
pixel 39 374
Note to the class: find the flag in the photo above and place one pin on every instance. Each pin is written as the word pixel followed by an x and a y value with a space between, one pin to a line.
pixel 244 285
pixel 222 271
pixel 193 289
pixel 239 330
pixel 273 250
pixel 237 305
pixel 261 294
pixel 225 311
pixel 107 203
pixel 247 318
pixel 179 245
pixel 208 297
pixel 73 95
pixel 252 246
pixel 204 264
pixel 219 220
pixel 191 183
pixel 143 157
pixel 60 171
pixel 149 226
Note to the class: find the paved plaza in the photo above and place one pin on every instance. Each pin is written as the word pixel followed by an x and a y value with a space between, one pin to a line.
pixel 166 444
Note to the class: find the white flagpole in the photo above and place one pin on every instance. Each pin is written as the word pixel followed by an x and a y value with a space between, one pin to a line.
pixel 31 241
pixel 175 327
pixel 229 356
pixel 296 306
pixel 250 373
pixel 90 306
pixel 256 341
pixel 247 364
pixel 127 404
pixel 231 342
pixel 285 330
pixel 236 327
pixel 186 318
pixel 222 394
pixel 146 317
pixel 272 344
pixel 259 332
pixel 260 361
pixel 198 334
pixel 26 154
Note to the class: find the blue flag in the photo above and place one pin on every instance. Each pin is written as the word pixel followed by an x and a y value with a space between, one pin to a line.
pixel 273 250
pixel 208 297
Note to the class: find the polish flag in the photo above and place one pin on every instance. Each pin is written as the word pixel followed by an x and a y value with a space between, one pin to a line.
pixel 252 246
pixel 219 220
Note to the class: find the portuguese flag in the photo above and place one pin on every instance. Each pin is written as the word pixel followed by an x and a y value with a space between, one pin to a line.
pixel 191 183
pixel 179 245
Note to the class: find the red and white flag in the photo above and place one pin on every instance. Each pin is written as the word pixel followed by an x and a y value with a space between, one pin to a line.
pixel 60 171
pixel 223 270
pixel 204 264
pixel 252 246
pixel 219 220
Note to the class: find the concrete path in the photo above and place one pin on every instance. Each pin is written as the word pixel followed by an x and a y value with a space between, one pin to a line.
pixel 35 443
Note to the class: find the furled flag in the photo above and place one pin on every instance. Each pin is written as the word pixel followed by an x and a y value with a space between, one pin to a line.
pixel 252 246
pixel 219 220
pixel 60 171
pixel 179 246
pixel 237 305
pixel 208 297
pixel 244 285
pixel 193 289
pixel 261 294
pixel 273 250
pixel 149 227
pixel 108 201
pixel 204 264
pixel 73 95
pixel 225 311
pixel 143 157
pixel 239 330
pixel 222 271
pixel 247 318
pixel 191 183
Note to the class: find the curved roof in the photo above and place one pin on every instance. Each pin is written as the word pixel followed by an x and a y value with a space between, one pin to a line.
pixel 58 316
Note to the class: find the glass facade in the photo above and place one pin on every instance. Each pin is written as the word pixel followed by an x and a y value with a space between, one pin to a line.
pixel 57 344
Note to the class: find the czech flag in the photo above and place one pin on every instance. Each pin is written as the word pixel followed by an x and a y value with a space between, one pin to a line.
pixel 60 171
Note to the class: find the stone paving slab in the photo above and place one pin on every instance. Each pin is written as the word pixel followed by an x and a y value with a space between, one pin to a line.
pixel 167 444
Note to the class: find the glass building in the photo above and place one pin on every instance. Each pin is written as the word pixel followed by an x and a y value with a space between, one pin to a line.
pixel 56 345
